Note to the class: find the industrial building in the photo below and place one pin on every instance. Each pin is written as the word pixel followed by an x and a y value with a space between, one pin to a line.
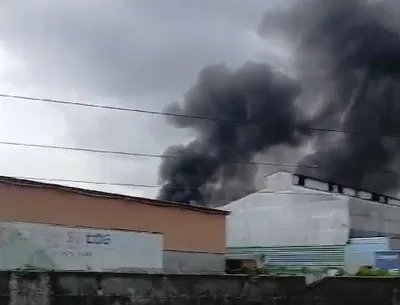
pixel 299 222
pixel 70 228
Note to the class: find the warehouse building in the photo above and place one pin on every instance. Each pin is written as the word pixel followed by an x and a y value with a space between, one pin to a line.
pixel 298 222
pixel 70 228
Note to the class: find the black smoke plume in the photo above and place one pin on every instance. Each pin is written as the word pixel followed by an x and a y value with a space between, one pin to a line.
pixel 253 109
pixel 348 67
pixel 354 50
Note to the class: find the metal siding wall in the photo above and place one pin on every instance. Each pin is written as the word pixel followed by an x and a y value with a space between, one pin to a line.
pixel 394 244
pixel 281 220
pixel 361 252
pixel 387 260
pixel 190 262
pixel 369 219
pixel 28 245
pixel 298 257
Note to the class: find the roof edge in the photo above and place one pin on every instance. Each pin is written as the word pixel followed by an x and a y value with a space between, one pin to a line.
pixel 277 172
pixel 108 195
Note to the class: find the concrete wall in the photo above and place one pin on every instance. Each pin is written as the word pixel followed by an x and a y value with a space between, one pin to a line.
pixel 26 245
pixel 192 262
pixel 130 289
pixel 182 226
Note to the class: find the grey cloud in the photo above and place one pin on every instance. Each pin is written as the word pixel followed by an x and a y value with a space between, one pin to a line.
pixel 125 48
pixel 141 53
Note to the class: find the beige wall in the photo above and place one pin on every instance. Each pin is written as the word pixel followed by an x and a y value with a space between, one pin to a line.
pixel 184 230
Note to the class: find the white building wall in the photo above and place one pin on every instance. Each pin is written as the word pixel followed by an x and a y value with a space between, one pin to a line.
pixel 283 218
pixel 284 214
pixel 39 246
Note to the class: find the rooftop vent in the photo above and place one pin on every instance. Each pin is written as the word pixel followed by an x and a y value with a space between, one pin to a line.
pixel 316 184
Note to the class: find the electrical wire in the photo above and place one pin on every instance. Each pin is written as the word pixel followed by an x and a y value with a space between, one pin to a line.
pixel 162 156
pixel 104 183
pixel 164 113
pixel 312 192
pixel 149 112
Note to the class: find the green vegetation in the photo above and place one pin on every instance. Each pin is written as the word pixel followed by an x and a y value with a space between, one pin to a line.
pixel 364 271
pixel 369 271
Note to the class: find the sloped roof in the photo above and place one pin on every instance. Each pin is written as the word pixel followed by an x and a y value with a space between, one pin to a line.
pixel 94 193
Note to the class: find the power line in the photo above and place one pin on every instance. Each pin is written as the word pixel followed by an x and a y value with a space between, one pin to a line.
pixel 320 193
pixel 164 113
pixel 104 183
pixel 146 155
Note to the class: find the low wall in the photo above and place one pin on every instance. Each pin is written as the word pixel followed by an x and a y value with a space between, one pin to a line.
pixel 193 262
pixel 125 289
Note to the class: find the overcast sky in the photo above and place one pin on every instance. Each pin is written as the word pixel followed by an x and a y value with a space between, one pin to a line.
pixel 135 53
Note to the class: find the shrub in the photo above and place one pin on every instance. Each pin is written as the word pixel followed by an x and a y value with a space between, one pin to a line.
pixel 368 271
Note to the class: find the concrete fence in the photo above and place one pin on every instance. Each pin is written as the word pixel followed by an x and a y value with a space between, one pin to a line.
pixel 61 288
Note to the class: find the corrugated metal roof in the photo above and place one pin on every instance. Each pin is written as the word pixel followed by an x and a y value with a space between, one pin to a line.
pixel 298 257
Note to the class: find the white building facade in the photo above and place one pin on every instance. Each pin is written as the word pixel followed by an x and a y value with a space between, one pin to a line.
pixel 48 247
pixel 300 222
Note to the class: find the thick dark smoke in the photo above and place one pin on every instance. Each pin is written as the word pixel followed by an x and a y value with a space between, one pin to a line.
pixel 355 46
pixel 348 53
pixel 257 96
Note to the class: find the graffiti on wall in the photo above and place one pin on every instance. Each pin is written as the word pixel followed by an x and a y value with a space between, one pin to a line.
pixel 39 246
pixel 98 239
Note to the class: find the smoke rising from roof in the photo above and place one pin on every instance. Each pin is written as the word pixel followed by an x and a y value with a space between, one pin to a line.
pixel 356 47
pixel 348 52
pixel 255 94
